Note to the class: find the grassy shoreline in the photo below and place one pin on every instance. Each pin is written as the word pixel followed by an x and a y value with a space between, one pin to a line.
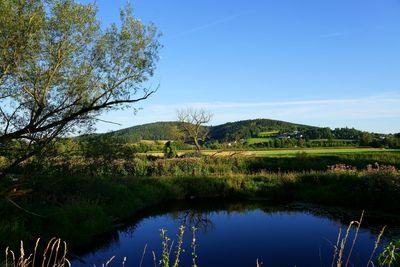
pixel 79 208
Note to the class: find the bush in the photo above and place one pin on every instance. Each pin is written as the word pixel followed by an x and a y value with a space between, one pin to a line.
pixel 3 163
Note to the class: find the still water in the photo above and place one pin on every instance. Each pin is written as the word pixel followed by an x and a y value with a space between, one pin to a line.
pixel 237 234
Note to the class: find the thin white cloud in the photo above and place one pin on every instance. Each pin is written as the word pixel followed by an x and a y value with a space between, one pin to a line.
pixel 379 113
pixel 207 25
pixel 334 34
pixel 395 98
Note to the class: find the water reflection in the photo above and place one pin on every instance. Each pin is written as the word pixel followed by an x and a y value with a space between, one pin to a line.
pixel 188 218
pixel 236 233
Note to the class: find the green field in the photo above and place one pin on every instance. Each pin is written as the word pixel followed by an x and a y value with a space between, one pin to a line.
pixel 311 151
pixel 258 140
pixel 291 152
pixel 153 142
pixel 334 140
pixel 268 134
pixel 318 151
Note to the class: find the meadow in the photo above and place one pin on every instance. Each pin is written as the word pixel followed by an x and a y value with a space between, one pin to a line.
pixel 284 152
pixel 290 152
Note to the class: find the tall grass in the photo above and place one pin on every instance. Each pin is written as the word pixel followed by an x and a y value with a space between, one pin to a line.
pixel 102 166
pixel 54 254
pixel 339 249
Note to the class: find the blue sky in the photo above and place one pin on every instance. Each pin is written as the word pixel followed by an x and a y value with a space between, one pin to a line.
pixel 324 63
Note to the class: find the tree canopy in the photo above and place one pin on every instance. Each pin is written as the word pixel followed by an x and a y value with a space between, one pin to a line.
pixel 59 69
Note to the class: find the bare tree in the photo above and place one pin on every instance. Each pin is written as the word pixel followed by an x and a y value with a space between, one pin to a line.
pixel 192 121
pixel 59 70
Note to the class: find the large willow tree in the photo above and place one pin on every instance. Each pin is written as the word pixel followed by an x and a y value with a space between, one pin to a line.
pixel 59 69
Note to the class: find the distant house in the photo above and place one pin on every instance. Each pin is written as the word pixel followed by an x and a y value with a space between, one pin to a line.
pixel 284 136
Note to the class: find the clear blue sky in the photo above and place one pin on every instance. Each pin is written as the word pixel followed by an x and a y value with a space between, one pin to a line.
pixel 324 63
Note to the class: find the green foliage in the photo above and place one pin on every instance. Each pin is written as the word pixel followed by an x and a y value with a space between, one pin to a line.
pixel 251 128
pixel 170 150
pixel 151 131
pixel 257 140
pixel 3 162
pixel 123 161
pixel 251 134
pixel 257 134
pixel 268 134
pixel 87 217
pixel 390 256
pixel 166 248
pixel 59 69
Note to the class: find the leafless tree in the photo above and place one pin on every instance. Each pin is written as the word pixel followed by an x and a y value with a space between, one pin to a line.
pixel 192 121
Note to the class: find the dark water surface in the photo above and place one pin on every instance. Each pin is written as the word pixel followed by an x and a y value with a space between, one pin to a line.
pixel 236 234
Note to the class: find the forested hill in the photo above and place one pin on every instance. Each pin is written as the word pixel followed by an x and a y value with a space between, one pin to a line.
pixel 261 133
pixel 251 128
pixel 166 130
pixel 228 131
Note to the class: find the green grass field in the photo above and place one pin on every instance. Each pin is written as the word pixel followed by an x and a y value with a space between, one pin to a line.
pixel 292 152
pixel 153 142
pixel 268 134
pixel 333 140
pixel 257 140
pixel 318 151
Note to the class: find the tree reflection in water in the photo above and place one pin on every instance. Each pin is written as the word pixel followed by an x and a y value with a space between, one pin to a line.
pixel 197 219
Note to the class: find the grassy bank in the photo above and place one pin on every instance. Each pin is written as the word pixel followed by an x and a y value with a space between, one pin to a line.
pixel 287 152
pixel 78 208
pixel 189 165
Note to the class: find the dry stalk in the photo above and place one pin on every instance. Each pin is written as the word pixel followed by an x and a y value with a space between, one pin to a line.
pixel 377 242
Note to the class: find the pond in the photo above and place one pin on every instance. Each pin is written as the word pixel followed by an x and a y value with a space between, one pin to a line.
pixel 237 234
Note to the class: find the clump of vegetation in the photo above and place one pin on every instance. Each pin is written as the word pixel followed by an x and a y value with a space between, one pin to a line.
pixel 165 260
pixel 170 150
pixel 341 167
pixel 117 161
pixel 390 256
pixel 54 254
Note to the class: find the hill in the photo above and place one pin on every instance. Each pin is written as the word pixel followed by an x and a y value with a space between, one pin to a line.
pixel 252 128
pixel 168 130
pixel 259 133
pixel 227 131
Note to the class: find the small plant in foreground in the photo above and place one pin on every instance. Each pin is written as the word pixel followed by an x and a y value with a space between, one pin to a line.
pixel 167 248
pixel 390 256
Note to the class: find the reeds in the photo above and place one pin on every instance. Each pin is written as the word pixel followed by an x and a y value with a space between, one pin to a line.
pixel 339 248
pixel 54 255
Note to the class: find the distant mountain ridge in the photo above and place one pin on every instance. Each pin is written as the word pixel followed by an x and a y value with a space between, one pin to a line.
pixel 169 130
